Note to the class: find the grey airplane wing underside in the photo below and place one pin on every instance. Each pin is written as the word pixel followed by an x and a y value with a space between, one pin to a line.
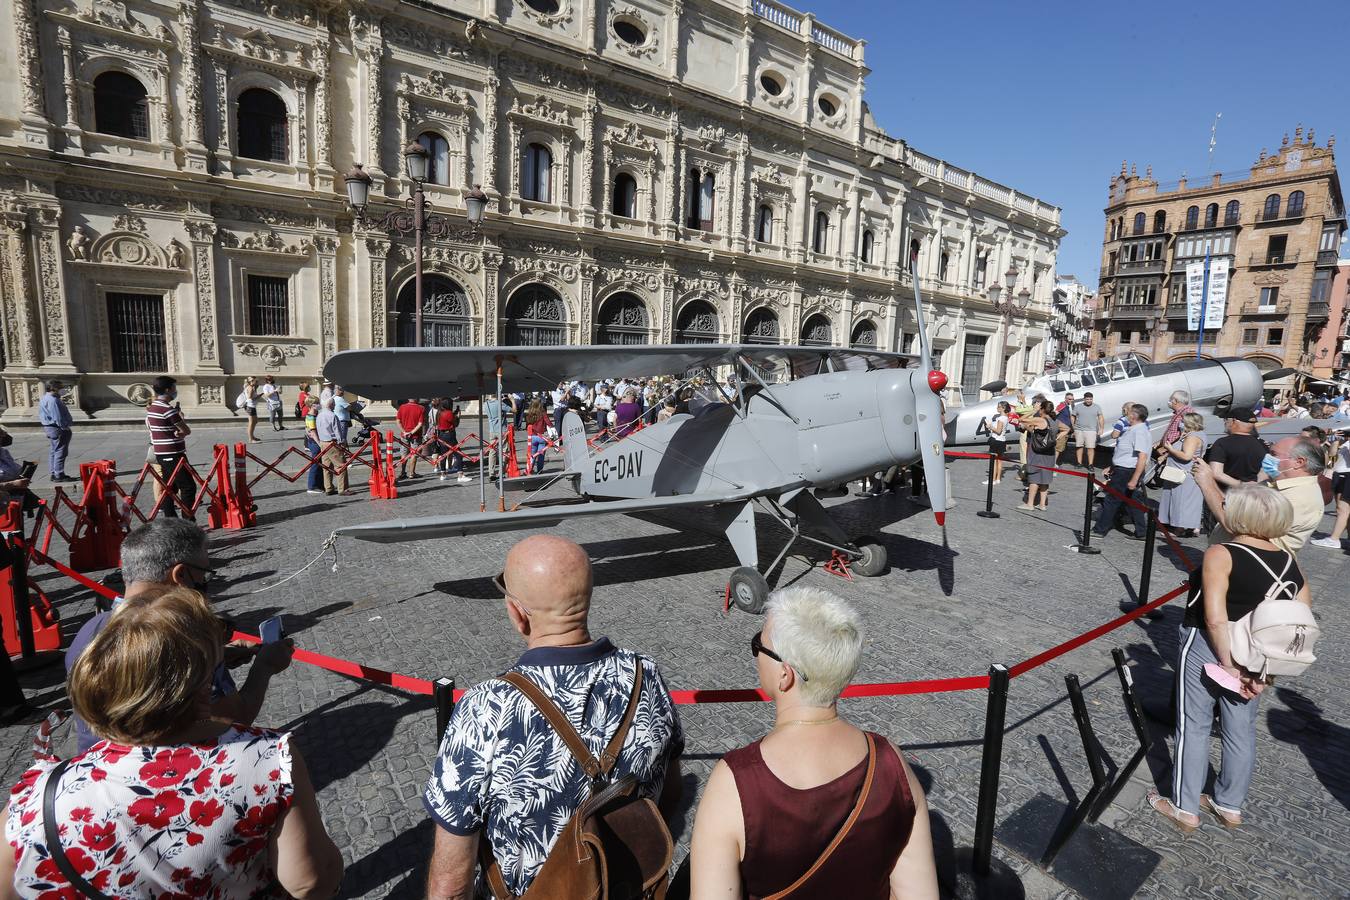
pixel 393 372
pixel 431 527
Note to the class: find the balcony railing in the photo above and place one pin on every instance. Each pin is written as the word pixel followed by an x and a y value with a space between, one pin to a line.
pixel 1178 310
pixel 1319 311
pixel 1274 259
pixel 1285 214
pixel 1142 266
pixel 1326 257
pixel 1133 312
pixel 1256 308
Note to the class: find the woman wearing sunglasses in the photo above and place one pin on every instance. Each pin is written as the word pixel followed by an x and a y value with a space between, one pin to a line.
pixel 817 807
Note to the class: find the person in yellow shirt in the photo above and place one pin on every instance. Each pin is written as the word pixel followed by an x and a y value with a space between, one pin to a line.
pixel 1292 467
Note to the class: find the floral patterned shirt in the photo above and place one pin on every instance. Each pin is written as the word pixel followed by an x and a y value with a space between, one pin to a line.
pixel 179 821
pixel 503 770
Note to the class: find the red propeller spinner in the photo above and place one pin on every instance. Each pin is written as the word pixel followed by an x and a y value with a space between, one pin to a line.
pixel 937 381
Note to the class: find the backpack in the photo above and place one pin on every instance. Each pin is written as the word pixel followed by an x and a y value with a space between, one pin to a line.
pixel 242 400
pixel 1043 440
pixel 616 846
pixel 1276 638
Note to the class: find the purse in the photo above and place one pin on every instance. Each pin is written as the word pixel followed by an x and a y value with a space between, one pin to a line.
pixel 53 836
pixel 1171 475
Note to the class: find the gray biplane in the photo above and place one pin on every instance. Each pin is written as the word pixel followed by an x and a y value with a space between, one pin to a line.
pixel 842 414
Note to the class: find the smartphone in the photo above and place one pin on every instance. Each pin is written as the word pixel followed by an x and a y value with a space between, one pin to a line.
pixel 271 630
pixel 27 469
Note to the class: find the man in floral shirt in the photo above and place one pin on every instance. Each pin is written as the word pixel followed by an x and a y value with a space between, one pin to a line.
pixel 503 774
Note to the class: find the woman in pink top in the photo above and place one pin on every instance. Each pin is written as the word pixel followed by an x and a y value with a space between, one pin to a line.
pixel 170 803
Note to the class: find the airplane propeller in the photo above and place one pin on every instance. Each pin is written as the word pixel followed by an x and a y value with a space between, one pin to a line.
pixel 927 386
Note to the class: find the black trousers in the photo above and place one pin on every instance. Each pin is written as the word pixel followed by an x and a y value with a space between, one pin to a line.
pixel 181 484
pixel 1106 519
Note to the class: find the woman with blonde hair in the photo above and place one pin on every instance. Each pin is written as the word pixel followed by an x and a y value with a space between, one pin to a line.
pixel 1235 577
pixel 170 802
pixel 248 402
pixel 1181 502
pixel 818 805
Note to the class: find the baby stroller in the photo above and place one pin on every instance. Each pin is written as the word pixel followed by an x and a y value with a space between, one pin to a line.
pixel 368 425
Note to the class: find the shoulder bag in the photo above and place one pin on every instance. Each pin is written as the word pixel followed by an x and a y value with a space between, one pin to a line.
pixel 616 846
pixel 53 836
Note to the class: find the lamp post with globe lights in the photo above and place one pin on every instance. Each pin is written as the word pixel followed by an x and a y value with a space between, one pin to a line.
pixel 414 217
pixel 1008 305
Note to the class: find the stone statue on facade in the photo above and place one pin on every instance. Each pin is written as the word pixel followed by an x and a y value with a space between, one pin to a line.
pixel 78 245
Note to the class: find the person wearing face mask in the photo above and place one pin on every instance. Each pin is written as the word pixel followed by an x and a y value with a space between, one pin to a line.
pixel 168 433
pixel 168 553
pixel 1291 467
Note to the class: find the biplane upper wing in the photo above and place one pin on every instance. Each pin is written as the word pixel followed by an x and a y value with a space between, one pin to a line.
pixel 392 372
pixel 430 527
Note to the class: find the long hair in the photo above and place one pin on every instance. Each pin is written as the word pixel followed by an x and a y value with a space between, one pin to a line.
pixel 534 413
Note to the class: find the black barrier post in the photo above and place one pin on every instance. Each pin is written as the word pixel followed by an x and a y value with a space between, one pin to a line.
pixel 443 693
pixel 1146 573
pixel 1085 546
pixel 1136 715
pixel 994 716
pixel 1080 715
pixel 988 511
pixel 23 616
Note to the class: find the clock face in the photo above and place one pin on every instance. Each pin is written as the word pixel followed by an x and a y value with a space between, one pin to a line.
pixel 1294 160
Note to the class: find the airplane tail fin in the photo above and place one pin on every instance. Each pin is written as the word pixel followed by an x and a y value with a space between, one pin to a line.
pixel 575 451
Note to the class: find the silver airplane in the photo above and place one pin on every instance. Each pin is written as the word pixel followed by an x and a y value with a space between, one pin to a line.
pixel 1214 386
pixel 843 415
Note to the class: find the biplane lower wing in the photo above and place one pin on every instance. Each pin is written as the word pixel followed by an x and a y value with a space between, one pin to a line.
pixel 431 527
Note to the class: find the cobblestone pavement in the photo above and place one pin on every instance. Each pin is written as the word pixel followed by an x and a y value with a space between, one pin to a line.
pixel 999 590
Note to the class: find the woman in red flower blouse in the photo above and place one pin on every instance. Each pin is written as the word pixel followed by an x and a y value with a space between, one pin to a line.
pixel 170 804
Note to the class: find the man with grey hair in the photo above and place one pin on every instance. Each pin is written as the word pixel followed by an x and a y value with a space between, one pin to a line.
pixel 1128 460
pixel 172 552
pixel 1292 467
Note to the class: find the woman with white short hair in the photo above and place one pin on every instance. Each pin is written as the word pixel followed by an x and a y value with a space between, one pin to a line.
pixel 817 807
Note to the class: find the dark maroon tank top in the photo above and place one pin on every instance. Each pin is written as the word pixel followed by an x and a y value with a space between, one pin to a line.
pixel 787 829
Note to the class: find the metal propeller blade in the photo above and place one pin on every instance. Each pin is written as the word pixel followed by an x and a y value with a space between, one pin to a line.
pixel 928 411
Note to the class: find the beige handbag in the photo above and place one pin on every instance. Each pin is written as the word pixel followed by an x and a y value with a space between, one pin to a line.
pixel 1172 475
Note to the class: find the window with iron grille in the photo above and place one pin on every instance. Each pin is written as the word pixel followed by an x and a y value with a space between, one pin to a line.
pixel 136 328
pixel 972 364
pixel 121 106
pixel 269 305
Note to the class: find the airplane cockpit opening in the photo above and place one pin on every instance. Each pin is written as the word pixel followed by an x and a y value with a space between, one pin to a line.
pixel 1102 371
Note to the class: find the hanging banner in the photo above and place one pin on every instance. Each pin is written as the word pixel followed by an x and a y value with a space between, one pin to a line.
pixel 1195 286
pixel 1217 305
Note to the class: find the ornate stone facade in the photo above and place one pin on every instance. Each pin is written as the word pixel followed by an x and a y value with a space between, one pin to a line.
pixel 723 180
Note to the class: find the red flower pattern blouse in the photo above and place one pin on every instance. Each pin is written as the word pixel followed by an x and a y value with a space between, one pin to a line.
pixel 181 821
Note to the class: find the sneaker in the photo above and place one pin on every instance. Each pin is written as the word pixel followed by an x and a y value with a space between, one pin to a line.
pixel 464 479
pixel 313 491
pixel 442 477
pixel 1329 542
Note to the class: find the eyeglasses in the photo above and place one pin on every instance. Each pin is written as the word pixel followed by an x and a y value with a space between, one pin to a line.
pixel 757 647
pixel 499 582
pixel 208 574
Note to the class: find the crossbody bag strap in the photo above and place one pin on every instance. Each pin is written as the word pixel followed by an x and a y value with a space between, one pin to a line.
pixel 549 710
pixel 53 836
pixel 844 829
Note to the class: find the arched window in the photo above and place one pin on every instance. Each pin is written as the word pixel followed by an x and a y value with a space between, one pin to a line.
pixel 761 327
pixel 1211 215
pixel 914 255
pixel 942 266
pixel 1272 208
pixel 623 320
pixel 864 335
pixel 261 125
pixel 1192 218
pixel 445 314
pixel 868 241
pixel 536 317
pixel 1139 219
pixel 1295 204
pixel 764 224
pixel 1113 230
pixel 816 332
pixel 625 196
pixel 438 157
pixel 1159 222
pixel 820 235
pixel 1231 212
pixel 536 176
pixel 696 324
pixel 120 106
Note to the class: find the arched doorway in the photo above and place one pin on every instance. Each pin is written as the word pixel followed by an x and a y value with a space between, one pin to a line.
pixel 817 332
pixel 536 317
pixel 864 335
pixel 696 324
pixel 761 327
pixel 445 314
pixel 622 320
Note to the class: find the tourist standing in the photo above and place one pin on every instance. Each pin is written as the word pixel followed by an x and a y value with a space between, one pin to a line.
pixel 1044 429
pixel 330 439
pixel 536 427
pixel 1064 415
pixel 1089 422
pixel 56 423
pixel 1340 489
pixel 168 434
pixel 342 408
pixel 1128 460
pixel 271 393
pixel 412 421
pixel 999 430
pixel 312 446
pixel 1181 503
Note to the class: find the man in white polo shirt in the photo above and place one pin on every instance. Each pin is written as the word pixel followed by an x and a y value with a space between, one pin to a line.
pixel 1127 473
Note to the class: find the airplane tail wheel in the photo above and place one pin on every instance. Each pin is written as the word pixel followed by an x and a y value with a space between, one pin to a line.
pixel 871 559
pixel 749 590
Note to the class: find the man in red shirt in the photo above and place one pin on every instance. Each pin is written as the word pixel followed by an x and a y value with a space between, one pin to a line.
pixel 412 418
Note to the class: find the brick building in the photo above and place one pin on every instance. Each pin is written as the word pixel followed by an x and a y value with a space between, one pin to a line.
pixel 1279 226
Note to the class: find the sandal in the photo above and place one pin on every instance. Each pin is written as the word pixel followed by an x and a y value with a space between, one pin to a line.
pixel 1230 820
pixel 1163 807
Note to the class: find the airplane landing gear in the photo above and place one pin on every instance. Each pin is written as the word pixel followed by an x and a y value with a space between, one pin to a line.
pixel 871 559
pixel 749 591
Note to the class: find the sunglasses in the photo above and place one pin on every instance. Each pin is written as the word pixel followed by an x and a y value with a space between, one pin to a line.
pixel 757 647
pixel 499 582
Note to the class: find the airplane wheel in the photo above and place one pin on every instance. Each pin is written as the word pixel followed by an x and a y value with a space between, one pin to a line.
pixel 872 560
pixel 749 590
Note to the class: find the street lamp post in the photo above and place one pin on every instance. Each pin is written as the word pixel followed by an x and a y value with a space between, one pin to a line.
pixel 414 218
pixel 1008 306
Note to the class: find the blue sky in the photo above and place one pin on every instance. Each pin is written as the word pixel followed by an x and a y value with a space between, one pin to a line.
pixel 1049 96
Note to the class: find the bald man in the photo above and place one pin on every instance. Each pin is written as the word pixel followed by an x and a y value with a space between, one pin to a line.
pixel 503 774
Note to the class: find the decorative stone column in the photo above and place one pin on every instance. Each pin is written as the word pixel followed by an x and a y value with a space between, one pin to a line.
pixel 16 292
pixel 740 182
pixel 672 210
pixel 325 246
pixel 220 70
pixel 668 299
pixel 194 123
pixel 325 176
pixel 590 133
pixel 377 250
pixel 33 120
pixel 490 124
pixel 71 128
pixel 202 236
pixel 492 266
pixel 51 291
pixel 375 100
pixel 586 293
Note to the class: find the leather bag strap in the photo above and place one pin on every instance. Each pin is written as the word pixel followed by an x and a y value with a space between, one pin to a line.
pixel 844 829
pixel 53 836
